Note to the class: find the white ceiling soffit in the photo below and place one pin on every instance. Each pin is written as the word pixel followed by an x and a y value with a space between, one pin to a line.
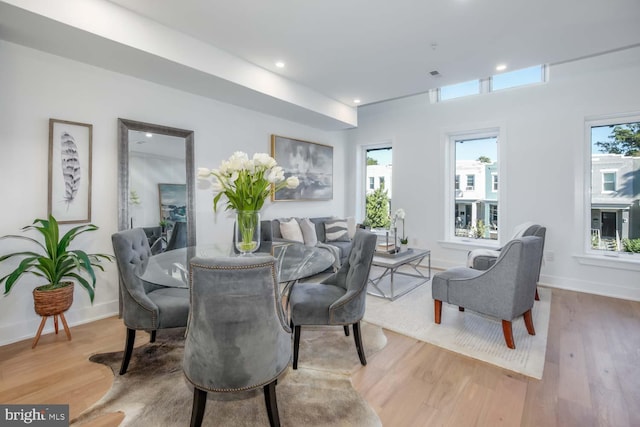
pixel 108 36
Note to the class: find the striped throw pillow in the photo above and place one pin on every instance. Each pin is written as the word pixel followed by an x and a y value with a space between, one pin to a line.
pixel 336 231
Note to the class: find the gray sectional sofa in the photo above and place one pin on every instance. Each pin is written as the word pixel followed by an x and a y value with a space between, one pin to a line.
pixel 270 230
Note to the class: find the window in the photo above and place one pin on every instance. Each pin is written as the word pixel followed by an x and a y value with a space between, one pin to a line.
pixel 474 211
pixel 460 89
pixel 471 182
pixel 608 182
pixel 377 200
pixel 613 207
pixel 525 76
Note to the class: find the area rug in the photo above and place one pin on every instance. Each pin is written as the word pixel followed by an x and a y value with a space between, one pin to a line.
pixel 467 333
pixel 154 391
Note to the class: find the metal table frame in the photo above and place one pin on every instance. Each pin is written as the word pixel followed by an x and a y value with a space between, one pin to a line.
pixel 411 258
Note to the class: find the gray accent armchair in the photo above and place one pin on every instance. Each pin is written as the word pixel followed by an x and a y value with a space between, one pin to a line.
pixel 482 259
pixel 237 338
pixel 145 306
pixel 506 290
pixel 337 300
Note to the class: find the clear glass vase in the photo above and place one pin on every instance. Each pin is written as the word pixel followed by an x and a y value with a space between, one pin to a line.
pixel 247 233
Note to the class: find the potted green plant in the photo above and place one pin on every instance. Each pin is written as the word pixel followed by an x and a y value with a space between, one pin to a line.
pixel 60 266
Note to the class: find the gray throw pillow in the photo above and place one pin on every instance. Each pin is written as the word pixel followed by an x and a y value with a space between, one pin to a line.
pixel 336 231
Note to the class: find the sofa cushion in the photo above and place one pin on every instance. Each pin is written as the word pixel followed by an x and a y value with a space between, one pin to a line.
pixel 336 231
pixel 291 230
pixel 308 232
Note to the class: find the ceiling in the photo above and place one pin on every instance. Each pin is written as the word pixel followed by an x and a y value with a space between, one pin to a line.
pixel 375 50
pixel 335 50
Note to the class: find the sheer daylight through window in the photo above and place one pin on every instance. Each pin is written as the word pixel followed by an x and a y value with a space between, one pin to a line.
pixel 615 188
pixel 476 188
pixel 378 191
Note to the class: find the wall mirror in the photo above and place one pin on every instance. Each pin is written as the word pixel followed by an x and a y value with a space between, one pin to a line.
pixel 155 177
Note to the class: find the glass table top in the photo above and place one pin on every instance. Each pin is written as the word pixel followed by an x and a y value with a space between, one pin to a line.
pixel 294 261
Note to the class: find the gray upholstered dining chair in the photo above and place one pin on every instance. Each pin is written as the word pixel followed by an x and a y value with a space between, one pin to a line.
pixel 237 338
pixel 337 300
pixel 145 306
pixel 482 259
pixel 178 237
pixel 505 290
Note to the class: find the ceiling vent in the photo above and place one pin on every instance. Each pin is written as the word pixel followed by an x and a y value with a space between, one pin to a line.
pixel 435 73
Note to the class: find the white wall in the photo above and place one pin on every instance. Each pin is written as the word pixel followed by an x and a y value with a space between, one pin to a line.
pixel 543 163
pixel 36 86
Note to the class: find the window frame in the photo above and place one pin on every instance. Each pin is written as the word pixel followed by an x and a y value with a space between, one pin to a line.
pixel 590 256
pixel 448 139
pixel 613 172
pixel 495 182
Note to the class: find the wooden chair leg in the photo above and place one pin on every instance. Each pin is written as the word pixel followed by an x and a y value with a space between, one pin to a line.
pixel 128 349
pixel 437 309
pixel 66 327
pixel 199 404
pixel 358 339
pixel 296 345
pixel 272 403
pixel 537 297
pixel 55 323
pixel 508 334
pixel 152 338
pixel 346 330
pixel 528 321
pixel 35 340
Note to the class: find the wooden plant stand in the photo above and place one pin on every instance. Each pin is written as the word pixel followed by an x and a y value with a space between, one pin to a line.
pixel 55 324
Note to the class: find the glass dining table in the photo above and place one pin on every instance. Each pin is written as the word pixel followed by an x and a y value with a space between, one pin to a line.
pixel 294 261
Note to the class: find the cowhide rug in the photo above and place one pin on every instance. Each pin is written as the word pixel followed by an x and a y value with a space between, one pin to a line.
pixel 154 391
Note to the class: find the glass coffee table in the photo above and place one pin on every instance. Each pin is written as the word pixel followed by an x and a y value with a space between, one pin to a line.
pixel 404 264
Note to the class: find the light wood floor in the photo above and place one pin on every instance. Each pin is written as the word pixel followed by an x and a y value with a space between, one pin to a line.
pixel 591 375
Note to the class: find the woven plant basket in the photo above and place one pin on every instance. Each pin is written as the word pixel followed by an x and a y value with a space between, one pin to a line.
pixel 50 303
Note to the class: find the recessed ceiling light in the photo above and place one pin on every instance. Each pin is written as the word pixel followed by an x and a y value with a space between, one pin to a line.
pixel 148 135
pixel 280 64
pixel 501 67
pixel 356 101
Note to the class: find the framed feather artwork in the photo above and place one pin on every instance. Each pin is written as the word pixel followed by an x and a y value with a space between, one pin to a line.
pixel 70 171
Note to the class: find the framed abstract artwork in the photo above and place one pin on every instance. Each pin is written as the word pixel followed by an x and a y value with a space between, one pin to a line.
pixel 311 162
pixel 69 199
pixel 173 203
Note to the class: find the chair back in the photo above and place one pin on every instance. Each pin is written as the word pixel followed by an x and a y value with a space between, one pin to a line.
pixel 538 231
pixel 237 335
pixel 517 267
pixel 132 252
pixel 178 236
pixel 353 276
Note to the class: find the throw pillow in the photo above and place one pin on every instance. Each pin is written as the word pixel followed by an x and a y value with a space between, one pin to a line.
pixel 308 229
pixel 290 230
pixel 336 231
pixel 351 226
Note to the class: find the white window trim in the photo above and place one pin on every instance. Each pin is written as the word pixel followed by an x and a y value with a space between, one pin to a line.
pixel 483 130
pixel 588 256
pixel 615 182
pixel 494 182
pixel 361 178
